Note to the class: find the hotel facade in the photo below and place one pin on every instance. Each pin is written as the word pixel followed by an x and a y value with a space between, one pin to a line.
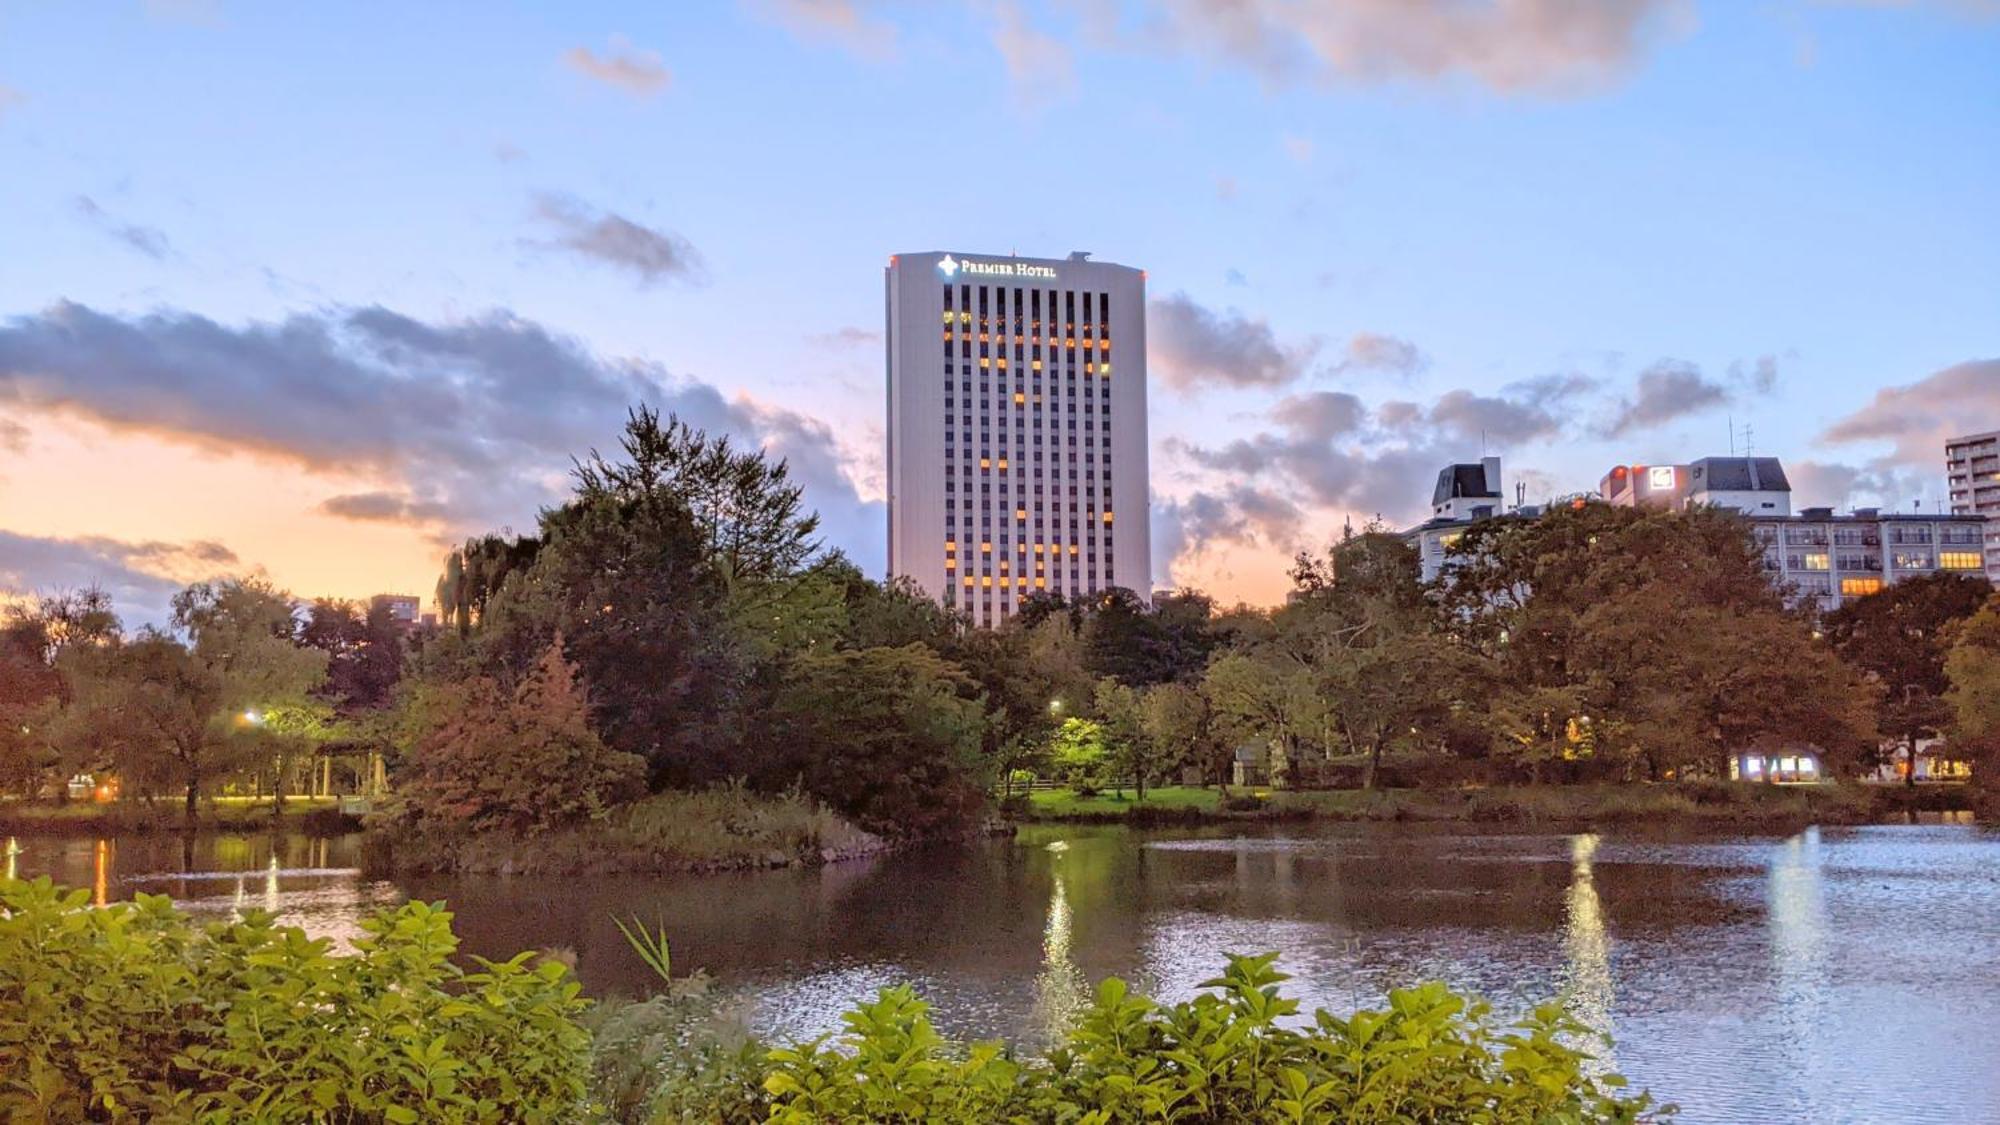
pixel 1016 428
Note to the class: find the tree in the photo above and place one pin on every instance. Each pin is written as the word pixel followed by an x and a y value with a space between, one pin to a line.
pixel 1898 638
pixel 36 641
pixel 151 711
pixel 1080 755
pixel 1178 719
pixel 679 577
pixel 1132 754
pixel 745 507
pixel 243 633
pixel 520 760
pixel 1972 665
pixel 364 647
pixel 888 736
pixel 1265 696
pixel 1663 626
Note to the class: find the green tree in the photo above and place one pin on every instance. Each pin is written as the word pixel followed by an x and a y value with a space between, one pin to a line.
pixel 1178 719
pixel 1079 754
pixel 1663 626
pixel 1132 754
pixel 1972 665
pixel 889 736
pixel 244 634
pixel 1898 639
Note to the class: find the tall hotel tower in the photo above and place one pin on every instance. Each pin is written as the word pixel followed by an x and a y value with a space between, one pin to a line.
pixel 1017 428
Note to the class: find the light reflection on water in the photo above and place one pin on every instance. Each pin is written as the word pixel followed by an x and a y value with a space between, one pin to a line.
pixel 1837 975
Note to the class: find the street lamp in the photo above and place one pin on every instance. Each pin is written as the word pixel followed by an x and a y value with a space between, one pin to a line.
pixel 1055 706
pixel 254 717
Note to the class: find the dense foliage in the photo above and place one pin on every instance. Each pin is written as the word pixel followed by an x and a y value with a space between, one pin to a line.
pixel 521 759
pixel 1235 1053
pixel 134 1012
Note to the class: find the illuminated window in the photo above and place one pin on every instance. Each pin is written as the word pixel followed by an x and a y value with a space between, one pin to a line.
pixel 1817 561
pixel 1003 462
pixel 1859 587
pixel 1041 583
pixel 986 548
pixel 1019 398
pixel 1959 560
pixel 950 563
pixel 986 580
pixel 1107 517
pixel 968 580
pixel 985 462
pixel 1021 514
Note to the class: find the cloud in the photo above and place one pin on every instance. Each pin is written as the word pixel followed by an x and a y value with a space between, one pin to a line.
pixel 840 22
pixel 1041 66
pixel 384 507
pixel 1917 418
pixel 1550 47
pixel 141 577
pixel 1371 351
pixel 1234 515
pixel 146 240
pixel 1300 149
pixel 472 420
pixel 1327 453
pixel 1192 347
pixel 1321 415
pixel 9 98
pixel 13 436
pixel 1664 392
pixel 638 72
pixel 847 336
pixel 653 255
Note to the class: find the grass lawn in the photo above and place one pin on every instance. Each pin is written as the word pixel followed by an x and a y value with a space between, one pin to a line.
pixel 1064 802
pixel 220 813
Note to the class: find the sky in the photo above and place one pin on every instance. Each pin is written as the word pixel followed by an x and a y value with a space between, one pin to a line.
pixel 315 291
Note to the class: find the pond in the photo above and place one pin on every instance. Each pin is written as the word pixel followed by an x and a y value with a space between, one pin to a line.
pixel 1845 974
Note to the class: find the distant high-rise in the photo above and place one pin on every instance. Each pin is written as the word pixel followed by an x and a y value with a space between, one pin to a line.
pixel 1017 435
pixel 1972 469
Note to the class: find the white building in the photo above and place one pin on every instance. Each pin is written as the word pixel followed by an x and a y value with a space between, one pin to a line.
pixel 1465 494
pixel 1972 468
pixel 1017 428
pixel 1833 558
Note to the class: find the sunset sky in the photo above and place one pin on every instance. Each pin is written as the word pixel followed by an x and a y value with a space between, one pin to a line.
pixel 316 290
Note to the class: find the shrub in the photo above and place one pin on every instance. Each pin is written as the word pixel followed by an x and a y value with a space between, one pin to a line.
pixel 1223 1057
pixel 520 759
pixel 722 828
pixel 133 1012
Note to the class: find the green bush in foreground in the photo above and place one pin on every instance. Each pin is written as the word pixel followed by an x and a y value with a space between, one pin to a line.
pixel 134 1013
pixel 1432 1056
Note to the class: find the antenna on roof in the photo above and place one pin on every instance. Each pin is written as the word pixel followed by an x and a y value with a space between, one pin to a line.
pixel 1749 446
pixel 1732 435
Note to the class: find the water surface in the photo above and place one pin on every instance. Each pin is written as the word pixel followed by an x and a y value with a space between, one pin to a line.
pixel 1834 975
